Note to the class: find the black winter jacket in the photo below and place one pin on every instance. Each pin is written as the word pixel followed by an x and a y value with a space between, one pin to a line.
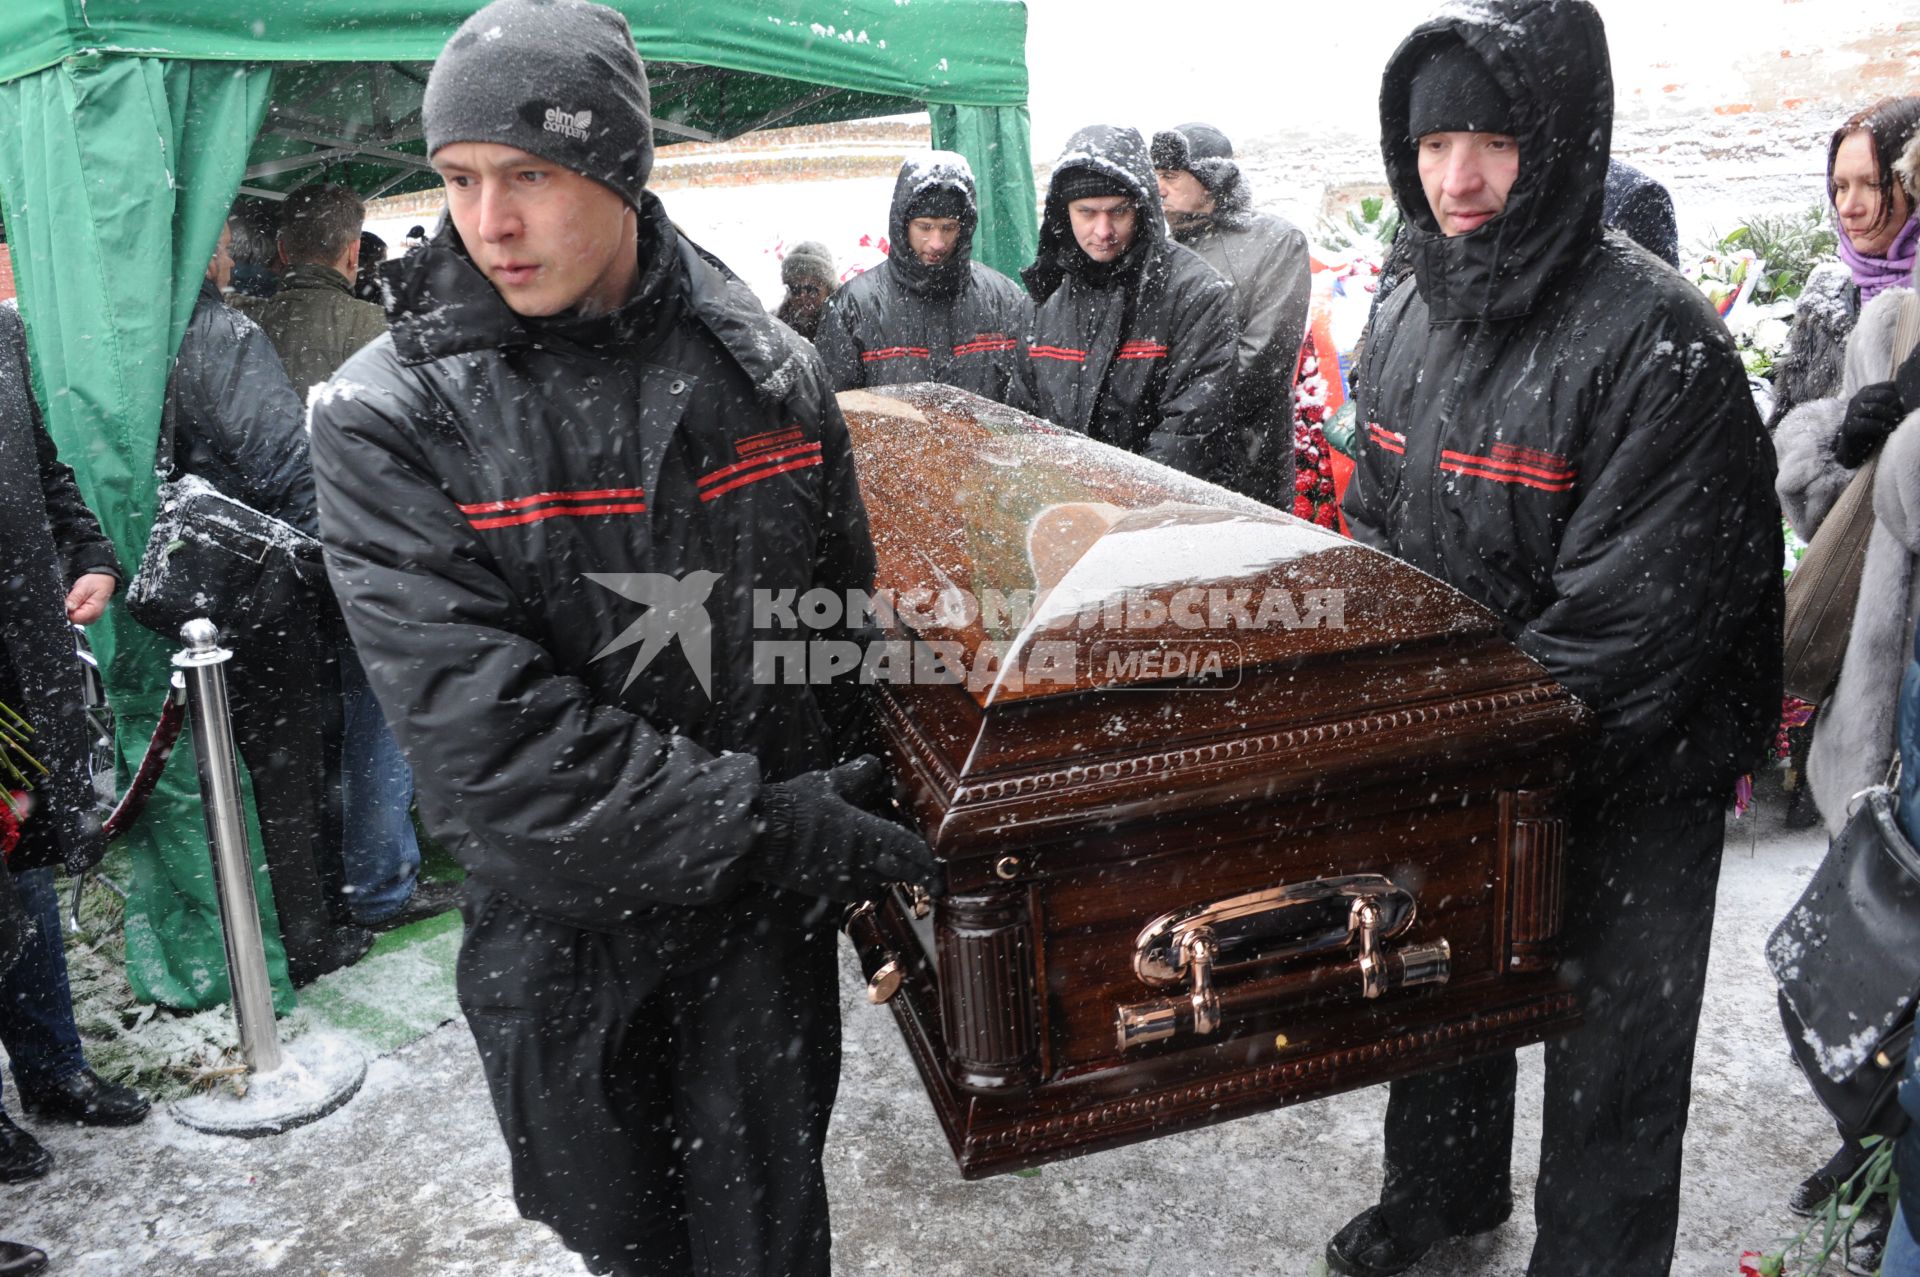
pixel 1138 352
pixel 237 421
pixel 959 323
pixel 1558 425
pixel 507 506
pixel 1641 206
pixel 1266 260
pixel 48 540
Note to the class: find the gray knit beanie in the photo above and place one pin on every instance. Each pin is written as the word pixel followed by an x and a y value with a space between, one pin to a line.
pixel 809 259
pixel 556 78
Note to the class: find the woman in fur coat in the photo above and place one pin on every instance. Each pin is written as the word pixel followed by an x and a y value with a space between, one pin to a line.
pixel 1821 445
pixel 1878 233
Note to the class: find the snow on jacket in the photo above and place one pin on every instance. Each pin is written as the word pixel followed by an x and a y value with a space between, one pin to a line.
pixel 1138 352
pixel 1266 260
pixel 237 422
pixel 314 322
pixel 1558 425
pixel 48 540
pixel 1853 735
pixel 1810 366
pixel 903 321
pixel 495 492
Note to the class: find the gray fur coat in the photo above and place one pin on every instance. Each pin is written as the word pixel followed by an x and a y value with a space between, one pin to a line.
pixel 1853 738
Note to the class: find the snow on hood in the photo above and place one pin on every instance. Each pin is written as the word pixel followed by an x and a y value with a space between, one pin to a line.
pixel 1550 57
pixel 928 170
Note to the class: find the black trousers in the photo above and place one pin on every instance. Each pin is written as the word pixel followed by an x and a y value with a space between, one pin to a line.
pixel 664 1111
pixel 282 700
pixel 1639 915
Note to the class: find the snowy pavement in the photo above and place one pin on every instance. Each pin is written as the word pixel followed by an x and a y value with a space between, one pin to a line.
pixel 409 1180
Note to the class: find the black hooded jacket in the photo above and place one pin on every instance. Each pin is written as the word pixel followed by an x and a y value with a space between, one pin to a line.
pixel 238 422
pixel 1557 424
pixel 1267 261
pixel 1138 352
pixel 507 506
pixel 959 323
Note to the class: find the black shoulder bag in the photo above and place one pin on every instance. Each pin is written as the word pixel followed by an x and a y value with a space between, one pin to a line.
pixel 1847 960
pixel 212 555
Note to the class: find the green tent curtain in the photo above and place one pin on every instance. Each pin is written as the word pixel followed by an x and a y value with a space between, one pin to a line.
pixel 994 140
pixel 146 154
pixel 960 51
pixel 350 73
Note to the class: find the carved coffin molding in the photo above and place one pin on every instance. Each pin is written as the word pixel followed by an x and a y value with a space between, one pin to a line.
pixel 1535 854
pixel 985 968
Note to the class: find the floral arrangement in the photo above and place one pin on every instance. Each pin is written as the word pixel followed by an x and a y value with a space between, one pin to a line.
pixel 1832 1227
pixel 1313 492
pixel 15 763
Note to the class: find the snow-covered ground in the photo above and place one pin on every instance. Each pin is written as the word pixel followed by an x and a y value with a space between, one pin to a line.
pixel 409 1180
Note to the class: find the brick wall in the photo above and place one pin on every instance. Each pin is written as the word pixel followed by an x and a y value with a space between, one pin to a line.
pixel 809 153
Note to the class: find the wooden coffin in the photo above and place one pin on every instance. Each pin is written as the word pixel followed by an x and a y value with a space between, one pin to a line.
pixel 1184 889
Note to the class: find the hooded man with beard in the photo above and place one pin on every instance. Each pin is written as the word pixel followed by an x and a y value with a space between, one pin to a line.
pixel 1557 424
pixel 1133 336
pixel 1210 210
pixel 929 312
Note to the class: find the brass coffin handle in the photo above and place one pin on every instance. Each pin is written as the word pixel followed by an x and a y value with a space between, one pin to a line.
pixel 1352 916
pixel 878 962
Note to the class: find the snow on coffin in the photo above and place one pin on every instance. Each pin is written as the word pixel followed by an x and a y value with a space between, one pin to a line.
pixel 1236 812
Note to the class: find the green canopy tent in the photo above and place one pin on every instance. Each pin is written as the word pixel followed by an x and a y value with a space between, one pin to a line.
pixel 127 127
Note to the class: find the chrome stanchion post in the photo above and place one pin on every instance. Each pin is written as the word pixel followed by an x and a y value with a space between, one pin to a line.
pixel 203 661
pixel 317 1072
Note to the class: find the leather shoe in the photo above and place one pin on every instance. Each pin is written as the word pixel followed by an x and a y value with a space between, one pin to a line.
pixel 1365 1247
pixel 17 1260
pixel 343 947
pixel 87 1098
pixel 21 1157
pixel 430 899
pixel 1815 1189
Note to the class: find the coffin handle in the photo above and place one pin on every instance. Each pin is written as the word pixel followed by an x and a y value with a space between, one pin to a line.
pixel 1373 971
pixel 878 962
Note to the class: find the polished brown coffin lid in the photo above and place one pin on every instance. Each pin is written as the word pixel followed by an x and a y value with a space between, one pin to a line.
pixel 967 495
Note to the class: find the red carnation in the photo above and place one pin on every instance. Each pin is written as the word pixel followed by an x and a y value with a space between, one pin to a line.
pixel 1302 508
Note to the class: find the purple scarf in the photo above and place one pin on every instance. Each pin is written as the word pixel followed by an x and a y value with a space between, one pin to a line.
pixel 1876 274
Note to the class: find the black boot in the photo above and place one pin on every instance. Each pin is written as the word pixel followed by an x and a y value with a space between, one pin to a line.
pixel 340 947
pixel 1367 1248
pixel 87 1098
pixel 21 1157
pixel 1364 1248
pixel 1816 1188
pixel 17 1260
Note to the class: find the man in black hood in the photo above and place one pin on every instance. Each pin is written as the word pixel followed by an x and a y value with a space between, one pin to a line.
pixel 1210 210
pixel 551 499
pixel 1557 424
pixel 929 312
pixel 1133 336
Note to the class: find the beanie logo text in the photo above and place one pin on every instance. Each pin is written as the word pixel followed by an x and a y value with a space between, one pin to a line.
pixel 569 124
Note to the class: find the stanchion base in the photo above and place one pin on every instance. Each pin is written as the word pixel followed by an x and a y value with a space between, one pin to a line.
pixel 319 1073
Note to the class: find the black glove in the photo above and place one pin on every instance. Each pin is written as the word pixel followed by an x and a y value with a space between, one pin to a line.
pixel 1872 414
pixel 816 839
pixel 1907 377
